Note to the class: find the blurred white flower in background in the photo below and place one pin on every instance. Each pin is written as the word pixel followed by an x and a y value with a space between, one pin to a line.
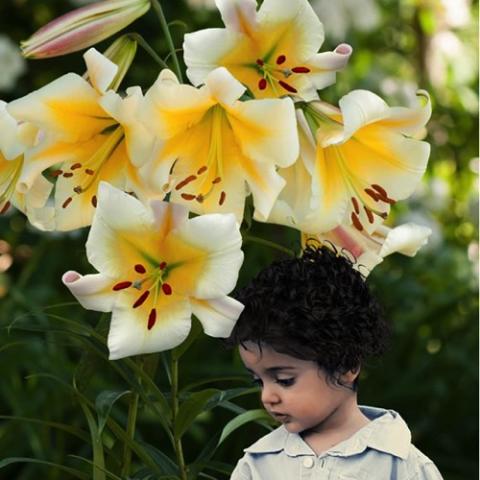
pixel 341 16
pixel 12 64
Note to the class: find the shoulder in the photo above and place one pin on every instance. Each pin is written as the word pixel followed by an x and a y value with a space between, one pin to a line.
pixel 420 467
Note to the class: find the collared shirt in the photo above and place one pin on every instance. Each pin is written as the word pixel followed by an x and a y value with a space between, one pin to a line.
pixel 381 450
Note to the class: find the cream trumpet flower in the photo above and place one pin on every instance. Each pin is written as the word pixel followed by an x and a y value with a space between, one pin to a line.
pixel 15 139
pixel 83 27
pixel 273 51
pixel 355 162
pixel 213 145
pixel 157 267
pixel 367 251
pixel 87 135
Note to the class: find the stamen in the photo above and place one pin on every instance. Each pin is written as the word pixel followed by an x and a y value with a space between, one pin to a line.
pixel 94 201
pixel 56 173
pixel 199 198
pixel 262 84
pixel 216 180
pixel 222 198
pixel 66 203
pixel 166 288
pixel 187 180
pixel 89 171
pixel 162 265
pixel 68 174
pixel 141 299
pixel 281 59
pixel 75 166
pixel 300 70
pixel 369 214
pixel 287 87
pixel 122 286
pixel 5 208
pixel 139 268
pixel 202 170
pixel 380 190
pixel 78 189
pixel 355 205
pixel 152 318
pixel 188 196
pixel 372 194
pixel 356 222
pixel 260 62
pixel 388 200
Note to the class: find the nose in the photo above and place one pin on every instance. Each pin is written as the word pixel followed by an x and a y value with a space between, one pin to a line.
pixel 269 395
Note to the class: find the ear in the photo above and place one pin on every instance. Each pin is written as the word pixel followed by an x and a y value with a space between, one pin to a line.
pixel 350 376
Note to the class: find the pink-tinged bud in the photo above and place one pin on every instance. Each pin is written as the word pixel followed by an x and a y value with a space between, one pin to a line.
pixel 83 27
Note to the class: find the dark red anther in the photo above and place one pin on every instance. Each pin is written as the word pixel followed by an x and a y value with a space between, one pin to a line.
pixel 222 198
pixel 78 189
pixel 216 180
pixel 355 205
pixel 372 194
pixel 66 203
pixel 89 171
pixel 166 288
pixel 356 222
pixel 162 265
pixel 188 196
pixel 369 214
pixel 152 318
pixel 5 208
pixel 388 200
pixel 300 70
pixel 121 286
pixel 380 190
pixel 262 84
pixel 202 170
pixel 68 174
pixel 281 59
pixel 260 62
pixel 139 268
pixel 141 299
pixel 56 173
pixel 186 181
pixel 287 87
pixel 94 201
pixel 75 166
pixel 200 198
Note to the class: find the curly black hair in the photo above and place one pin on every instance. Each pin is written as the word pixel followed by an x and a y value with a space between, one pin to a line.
pixel 316 307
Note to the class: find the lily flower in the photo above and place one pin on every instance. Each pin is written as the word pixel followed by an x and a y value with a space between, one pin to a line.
pixel 355 162
pixel 367 251
pixel 157 267
pixel 274 51
pixel 87 136
pixel 14 141
pixel 83 27
pixel 213 145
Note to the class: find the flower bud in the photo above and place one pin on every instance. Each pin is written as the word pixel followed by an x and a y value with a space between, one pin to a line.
pixel 83 27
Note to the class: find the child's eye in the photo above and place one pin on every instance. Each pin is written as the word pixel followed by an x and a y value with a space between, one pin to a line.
pixel 285 382
pixel 256 381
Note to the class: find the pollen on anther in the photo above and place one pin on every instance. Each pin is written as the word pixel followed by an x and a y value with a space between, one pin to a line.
pixel 188 196
pixel 68 174
pixel 141 299
pixel 380 190
pixel 281 59
pixel 66 203
pixel 202 170
pixel 166 288
pixel 369 214
pixel 162 265
pixel 300 70
pixel 89 171
pixel 260 62
pixel 262 84
pixel 139 268
pixel 152 318
pixel 94 201
pixel 372 194
pixel 222 198
pixel 199 198
pixel 356 222
pixel 78 189
pixel 75 166
pixel 186 181
pixel 5 208
pixel 216 180
pixel 355 205
pixel 56 173
pixel 287 87
pixel 121 286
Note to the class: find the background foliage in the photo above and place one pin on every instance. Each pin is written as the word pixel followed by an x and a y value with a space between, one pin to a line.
pixel 430 374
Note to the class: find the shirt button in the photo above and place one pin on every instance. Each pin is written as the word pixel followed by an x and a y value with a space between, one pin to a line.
pixel 308 462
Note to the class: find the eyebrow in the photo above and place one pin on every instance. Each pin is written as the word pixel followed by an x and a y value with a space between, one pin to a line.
pixel 273 370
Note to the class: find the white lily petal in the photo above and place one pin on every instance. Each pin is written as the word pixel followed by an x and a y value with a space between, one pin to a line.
pixel 168 216
pixel 42 218
pixel 10 145
pixel 406 239
pixel 218 317
pixel 130 336
pixel 223 87
pixel 94 292
pixel 240 15
pixel 101 71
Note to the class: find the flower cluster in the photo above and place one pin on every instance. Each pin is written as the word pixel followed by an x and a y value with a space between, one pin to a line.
pixel 134 165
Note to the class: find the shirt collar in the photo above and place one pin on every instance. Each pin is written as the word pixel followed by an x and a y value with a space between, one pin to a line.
pixel 386 432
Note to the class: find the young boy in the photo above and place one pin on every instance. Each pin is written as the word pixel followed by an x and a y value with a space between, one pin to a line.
pixel 308 326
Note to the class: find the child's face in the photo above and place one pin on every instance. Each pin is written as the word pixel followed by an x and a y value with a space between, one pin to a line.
pixel 296 392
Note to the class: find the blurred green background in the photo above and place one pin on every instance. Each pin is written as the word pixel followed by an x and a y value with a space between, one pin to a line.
pixel 430 374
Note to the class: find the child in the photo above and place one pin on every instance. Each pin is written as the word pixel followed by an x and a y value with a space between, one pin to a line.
pixel 308 326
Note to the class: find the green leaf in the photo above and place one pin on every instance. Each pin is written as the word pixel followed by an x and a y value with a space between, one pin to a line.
pixel 72 471
pixel 191 408
pixel 104 404
pixel 206 381
pixel 107 472
pixel 166 464
pixel 242 419
pixel 192 336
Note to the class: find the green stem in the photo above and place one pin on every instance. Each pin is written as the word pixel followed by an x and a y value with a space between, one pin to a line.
pixel 131 424
pixel 178 441
pixel 268 243
pixel 143 43
pixel 166 30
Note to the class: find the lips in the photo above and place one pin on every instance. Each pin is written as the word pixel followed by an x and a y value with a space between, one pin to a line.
pixel 281 417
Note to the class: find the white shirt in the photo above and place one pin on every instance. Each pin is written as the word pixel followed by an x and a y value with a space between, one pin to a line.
pixel 381 450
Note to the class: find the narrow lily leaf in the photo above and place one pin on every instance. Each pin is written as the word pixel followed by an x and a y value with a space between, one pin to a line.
pixel 206 381
pixel 237 422
pixel 107 472
pixel 104 404
pixel 166 464
pixel 221 467
pixel 191 408
pixel 72 471
pixel 194 333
